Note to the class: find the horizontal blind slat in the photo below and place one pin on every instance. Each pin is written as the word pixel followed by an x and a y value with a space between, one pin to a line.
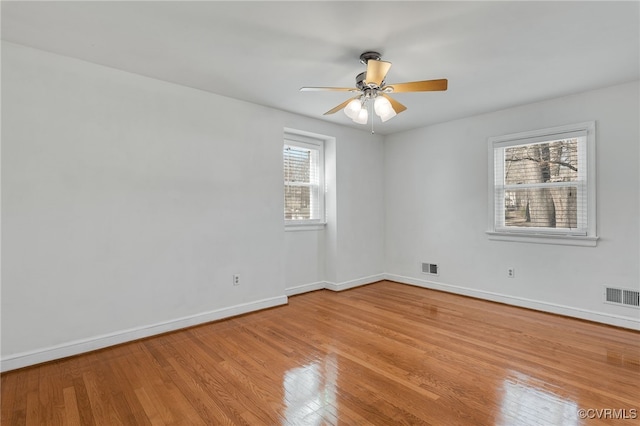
pixel 541 185
pixel 301 182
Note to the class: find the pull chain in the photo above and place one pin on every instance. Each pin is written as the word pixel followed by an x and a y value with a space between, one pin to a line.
pixel 372 132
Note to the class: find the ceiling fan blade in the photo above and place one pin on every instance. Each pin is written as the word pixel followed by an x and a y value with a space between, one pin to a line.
pixel 328 89
pixel 397 106
pixel 376 71
pixel 419 86
pixel 339 107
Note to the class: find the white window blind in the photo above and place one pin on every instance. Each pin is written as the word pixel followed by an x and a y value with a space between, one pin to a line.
pixel 303 180
pixel 543 183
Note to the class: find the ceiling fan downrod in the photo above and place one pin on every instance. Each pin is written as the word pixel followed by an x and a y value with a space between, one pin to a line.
pixel 366 56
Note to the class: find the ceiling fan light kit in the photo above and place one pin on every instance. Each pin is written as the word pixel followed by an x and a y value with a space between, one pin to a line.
pixel 372 90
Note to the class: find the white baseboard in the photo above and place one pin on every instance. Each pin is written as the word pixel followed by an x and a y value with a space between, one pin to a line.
pixel 76 347
pixel 353 283
pixel 304 288
pixel 604 318
pixel 328 285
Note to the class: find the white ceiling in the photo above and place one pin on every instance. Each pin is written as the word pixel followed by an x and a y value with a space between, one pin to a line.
pixel 495 54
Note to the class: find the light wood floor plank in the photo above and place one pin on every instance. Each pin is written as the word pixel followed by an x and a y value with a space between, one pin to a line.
pixel 71 413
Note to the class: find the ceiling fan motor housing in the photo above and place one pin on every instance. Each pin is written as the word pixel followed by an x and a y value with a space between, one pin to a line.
pixel 360 80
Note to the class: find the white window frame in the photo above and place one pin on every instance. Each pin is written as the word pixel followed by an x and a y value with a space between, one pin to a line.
pixel 307 141
pixel 586 235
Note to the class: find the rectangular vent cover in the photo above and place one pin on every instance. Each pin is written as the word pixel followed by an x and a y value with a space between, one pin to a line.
pixel 621 296
pixel 430 268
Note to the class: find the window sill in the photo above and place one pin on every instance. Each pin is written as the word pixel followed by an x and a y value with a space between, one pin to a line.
pixel 316 226
pixel 565 240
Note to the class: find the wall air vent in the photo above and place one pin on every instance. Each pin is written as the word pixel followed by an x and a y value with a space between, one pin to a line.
pixel 430 268
pixel 622 296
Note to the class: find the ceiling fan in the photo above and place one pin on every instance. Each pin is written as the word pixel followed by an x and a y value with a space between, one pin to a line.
pixel 371 88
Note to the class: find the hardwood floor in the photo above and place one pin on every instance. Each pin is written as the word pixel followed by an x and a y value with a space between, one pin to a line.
pixel 381 354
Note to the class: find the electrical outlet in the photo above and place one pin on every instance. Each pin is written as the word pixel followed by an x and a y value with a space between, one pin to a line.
pixel 511 272
pixel 236 279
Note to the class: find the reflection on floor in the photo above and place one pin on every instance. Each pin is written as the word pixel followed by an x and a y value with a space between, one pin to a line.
pixel 310 392
pixel 526 401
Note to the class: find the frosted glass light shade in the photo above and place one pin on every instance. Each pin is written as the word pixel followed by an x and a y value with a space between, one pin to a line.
pixel 353 108
pixel 362 116
pixel 388 114
pixel 382 106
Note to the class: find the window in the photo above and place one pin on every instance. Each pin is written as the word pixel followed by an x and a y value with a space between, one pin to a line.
pixel 542 186
pixel 303 158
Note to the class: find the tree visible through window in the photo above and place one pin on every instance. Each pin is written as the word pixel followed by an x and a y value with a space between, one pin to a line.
pixel 549 173
pixel 543 183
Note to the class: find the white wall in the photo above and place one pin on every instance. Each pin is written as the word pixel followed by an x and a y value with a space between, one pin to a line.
pixel 436 210
pixel 128 203
pixel 360 212
pixel 350 250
